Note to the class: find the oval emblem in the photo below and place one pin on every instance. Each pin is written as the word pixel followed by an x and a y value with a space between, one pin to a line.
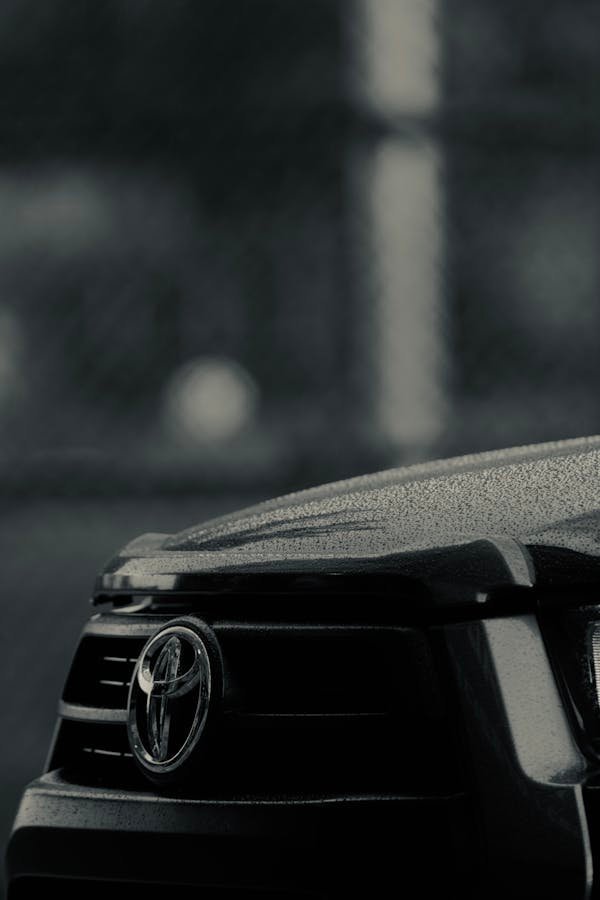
pixel 170 696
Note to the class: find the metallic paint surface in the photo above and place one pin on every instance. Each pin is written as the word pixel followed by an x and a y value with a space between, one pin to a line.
pixel 542 496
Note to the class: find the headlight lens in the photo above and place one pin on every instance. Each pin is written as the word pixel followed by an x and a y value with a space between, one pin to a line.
pixel 573 640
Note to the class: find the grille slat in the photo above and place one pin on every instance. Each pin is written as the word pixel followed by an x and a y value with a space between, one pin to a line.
pixel 111 753
pixel 102 671
pixel 308 709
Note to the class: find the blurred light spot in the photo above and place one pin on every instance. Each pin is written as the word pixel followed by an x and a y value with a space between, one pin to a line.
pixel 556 271
pixel 210 400
pixel 65 210
pixel 401 54
pixel 70 204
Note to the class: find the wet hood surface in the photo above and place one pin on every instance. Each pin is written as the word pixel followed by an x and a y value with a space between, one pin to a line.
pixel 545 496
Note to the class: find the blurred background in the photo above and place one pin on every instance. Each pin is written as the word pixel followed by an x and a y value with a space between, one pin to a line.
pixel 250 246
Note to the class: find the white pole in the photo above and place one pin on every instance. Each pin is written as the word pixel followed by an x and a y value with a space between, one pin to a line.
pixel 404 206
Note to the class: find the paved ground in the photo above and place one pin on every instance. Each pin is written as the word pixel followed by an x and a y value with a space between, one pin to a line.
pixel 49 553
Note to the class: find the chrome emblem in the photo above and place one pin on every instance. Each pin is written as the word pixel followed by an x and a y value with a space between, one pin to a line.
pixel 169 697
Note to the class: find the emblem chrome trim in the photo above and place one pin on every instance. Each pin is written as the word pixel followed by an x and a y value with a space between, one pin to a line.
pixel 170 696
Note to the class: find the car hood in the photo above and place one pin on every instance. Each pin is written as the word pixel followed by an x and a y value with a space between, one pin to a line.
pixel 511 506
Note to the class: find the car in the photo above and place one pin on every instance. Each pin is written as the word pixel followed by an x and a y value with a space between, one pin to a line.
pixel 388 683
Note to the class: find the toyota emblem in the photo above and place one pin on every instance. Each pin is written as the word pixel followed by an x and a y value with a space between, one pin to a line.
pixel 171 692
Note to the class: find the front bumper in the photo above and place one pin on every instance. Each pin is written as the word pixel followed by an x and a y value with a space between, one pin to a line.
pixel 322 847
pixel 524 826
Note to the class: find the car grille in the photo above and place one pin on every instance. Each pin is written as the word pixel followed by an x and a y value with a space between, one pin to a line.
pixel 311 709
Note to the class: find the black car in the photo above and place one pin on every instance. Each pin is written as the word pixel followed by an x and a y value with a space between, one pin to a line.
pixel 386 684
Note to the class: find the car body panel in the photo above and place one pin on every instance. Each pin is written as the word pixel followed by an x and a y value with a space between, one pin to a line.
pixel 444 520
